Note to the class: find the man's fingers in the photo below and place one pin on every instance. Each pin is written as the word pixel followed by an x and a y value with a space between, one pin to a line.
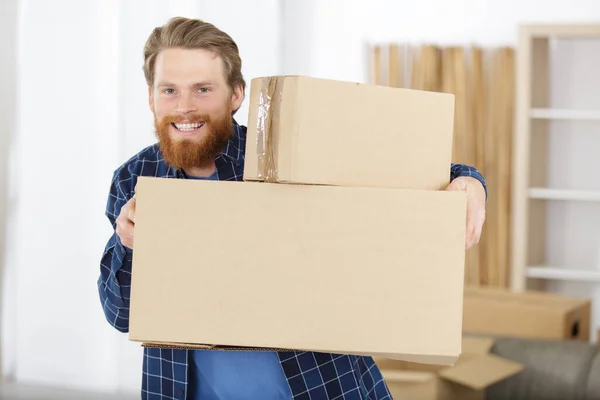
pixel 131 210
pixel 474 229
pixel 469 237
pixel 470 227
pixel 125 231
pixel 125 223
pixel 477 231
pixel 124 227
pixel 127 243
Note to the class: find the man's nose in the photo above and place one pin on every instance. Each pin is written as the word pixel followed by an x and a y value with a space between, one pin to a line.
pixel 186 104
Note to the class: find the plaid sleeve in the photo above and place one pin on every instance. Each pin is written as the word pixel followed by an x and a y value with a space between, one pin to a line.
pixel 457 170
pixel 114 283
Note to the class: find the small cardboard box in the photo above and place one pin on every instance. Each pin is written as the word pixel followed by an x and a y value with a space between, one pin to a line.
pixel 529 314
pixel 306 267
pixel 475 370
pixel 320 131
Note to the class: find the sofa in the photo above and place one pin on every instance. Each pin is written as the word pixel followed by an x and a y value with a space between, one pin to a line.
pixel 565 370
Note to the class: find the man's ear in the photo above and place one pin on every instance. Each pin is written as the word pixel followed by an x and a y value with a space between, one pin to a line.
pixel 150 99
pixel 237 97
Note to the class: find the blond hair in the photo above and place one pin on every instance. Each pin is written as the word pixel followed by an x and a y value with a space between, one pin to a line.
pixel 192 34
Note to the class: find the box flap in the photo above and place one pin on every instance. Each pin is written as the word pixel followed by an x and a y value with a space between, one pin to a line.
pixel 184 346
pixel 397 376
pixel 399 365
pixel 478 371
pixel 198 346
pixel 477 345
pixel 424 359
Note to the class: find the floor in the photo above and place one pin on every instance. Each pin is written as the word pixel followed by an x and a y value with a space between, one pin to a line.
pixel 11 391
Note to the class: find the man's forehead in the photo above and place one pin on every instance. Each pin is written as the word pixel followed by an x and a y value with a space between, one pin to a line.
pixel 189 64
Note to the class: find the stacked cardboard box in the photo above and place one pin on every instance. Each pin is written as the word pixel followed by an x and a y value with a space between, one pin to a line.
pixel 475 371
pixel 340 239
pixel 528 314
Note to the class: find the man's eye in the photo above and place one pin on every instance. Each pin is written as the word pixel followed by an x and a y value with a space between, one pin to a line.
pixel 204 90
pixel 168 91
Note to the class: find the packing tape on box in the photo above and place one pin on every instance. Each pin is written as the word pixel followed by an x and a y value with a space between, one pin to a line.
pixel 267 132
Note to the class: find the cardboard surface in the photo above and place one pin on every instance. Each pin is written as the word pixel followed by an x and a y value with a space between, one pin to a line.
pixel 475 370
pixel 413 385
pixel 477 344
pixel 320 131
pixel 478 371
pixel 528 314
pixel 322 268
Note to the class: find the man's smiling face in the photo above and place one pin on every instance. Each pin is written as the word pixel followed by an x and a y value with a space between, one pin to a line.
pixel 192 105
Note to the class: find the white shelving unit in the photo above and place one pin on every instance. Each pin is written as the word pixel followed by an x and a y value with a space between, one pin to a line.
pixel 546 198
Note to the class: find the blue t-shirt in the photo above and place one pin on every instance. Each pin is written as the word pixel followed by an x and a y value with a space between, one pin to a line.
pixel 239 375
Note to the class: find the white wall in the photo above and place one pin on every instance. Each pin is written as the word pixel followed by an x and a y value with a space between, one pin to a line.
pixel 82 110
pixel 65 150
pixel 8 44
pixel 338 35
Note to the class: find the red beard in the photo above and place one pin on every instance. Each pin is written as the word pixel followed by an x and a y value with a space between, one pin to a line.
pixel 191 153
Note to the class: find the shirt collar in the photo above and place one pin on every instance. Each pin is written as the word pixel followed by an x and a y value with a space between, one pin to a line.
pixel 233 150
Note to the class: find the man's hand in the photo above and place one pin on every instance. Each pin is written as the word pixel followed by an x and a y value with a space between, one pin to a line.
pixel 126 223
pixel 475 206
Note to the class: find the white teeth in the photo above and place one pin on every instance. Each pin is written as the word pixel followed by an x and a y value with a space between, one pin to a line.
pixel 188 127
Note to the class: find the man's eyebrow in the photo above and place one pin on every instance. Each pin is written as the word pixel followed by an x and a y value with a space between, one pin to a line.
pixel 194 85
pixel 204 83
pixel 163 84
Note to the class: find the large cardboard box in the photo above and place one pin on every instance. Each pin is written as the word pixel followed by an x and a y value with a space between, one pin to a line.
pixel 528 314
pixel 307 267
pixel 475 370
pixel 320 131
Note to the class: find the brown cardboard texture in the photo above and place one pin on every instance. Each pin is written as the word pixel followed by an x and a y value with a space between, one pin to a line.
pixel 528 314
pixel 475 370
pixel 301 267
pixel 320 131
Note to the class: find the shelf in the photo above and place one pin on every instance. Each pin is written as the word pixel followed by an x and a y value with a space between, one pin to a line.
pixel 532 146
pixel 564 194
pixel 562 274
pixel 565 31
pixel 566 114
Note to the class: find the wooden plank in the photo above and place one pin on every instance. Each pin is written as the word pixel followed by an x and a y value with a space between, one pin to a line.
pixel 520 163
pixel 476 117
pixel 426 71
pixel 394 66
pixel 376 74
pixel 505 122
pixel 566 30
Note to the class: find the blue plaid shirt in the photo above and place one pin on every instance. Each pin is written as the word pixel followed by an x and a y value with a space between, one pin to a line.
pixel 165 371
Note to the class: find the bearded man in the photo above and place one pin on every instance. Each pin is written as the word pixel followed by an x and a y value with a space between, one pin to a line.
pixel 195 86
